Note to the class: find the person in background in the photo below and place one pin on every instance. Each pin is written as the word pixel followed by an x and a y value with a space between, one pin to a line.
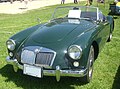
pixel 62 1
pixel 118 4
pixel 75 1
pixel 89 2
pixel 116 1
pixel 11 1
pixel 26 3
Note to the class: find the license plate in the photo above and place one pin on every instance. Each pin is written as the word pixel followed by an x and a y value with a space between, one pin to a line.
pixel 32 70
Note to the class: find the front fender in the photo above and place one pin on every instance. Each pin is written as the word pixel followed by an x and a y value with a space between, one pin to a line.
pixel 85 41
pixel 20 37
pixel 111 21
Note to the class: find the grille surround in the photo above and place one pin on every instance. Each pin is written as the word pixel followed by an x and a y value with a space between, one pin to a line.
pixel 41 56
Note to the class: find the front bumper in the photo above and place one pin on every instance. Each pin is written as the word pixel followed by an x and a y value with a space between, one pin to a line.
pixel 57 72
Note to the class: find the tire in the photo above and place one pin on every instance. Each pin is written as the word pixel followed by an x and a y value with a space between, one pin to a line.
pixel 88 77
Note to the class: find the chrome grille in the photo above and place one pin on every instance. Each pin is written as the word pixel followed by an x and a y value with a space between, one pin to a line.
pixel 39 56
pixel 28 57
pixel 44 58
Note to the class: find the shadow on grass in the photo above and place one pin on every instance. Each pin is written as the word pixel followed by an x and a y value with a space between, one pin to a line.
pixel 28 82
pixel 116 83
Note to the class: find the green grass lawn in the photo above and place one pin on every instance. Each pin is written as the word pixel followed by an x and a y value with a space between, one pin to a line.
pixel 106 69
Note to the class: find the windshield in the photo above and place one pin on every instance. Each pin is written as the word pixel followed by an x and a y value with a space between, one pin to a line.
pixel 79 12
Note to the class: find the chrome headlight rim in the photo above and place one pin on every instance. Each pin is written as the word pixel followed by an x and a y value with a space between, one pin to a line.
pixel 78 48
pixel 11 44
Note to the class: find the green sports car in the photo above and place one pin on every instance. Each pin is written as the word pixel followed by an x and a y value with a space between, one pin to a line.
pixel 67 45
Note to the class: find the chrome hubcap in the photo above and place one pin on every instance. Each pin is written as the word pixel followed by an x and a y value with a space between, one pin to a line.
pixel 91 60
pixel 110 36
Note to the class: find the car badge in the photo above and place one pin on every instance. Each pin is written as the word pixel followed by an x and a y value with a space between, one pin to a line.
pixel 37 50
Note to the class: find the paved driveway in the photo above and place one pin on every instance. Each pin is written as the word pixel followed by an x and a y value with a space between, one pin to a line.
pixel 18 7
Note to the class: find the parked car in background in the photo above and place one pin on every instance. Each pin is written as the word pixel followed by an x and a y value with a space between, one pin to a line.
pixel 67 45
pixel 115 8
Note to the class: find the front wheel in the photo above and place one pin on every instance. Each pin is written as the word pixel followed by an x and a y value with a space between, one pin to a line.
pixel 87 78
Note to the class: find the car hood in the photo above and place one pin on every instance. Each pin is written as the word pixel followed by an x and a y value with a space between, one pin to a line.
pixel 52 32
pixel 56 31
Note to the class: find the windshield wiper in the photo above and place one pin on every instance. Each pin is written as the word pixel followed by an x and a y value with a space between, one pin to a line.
pixel 55 19
pixel 85 18
pixel 72 18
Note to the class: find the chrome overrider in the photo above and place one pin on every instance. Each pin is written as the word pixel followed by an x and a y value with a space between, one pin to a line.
pixel 58 72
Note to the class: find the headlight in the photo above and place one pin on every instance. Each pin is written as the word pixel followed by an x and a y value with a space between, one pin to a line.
pixel 75 52
pixel 10 44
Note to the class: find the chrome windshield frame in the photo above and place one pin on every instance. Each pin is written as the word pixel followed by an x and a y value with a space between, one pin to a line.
pixel 71 7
